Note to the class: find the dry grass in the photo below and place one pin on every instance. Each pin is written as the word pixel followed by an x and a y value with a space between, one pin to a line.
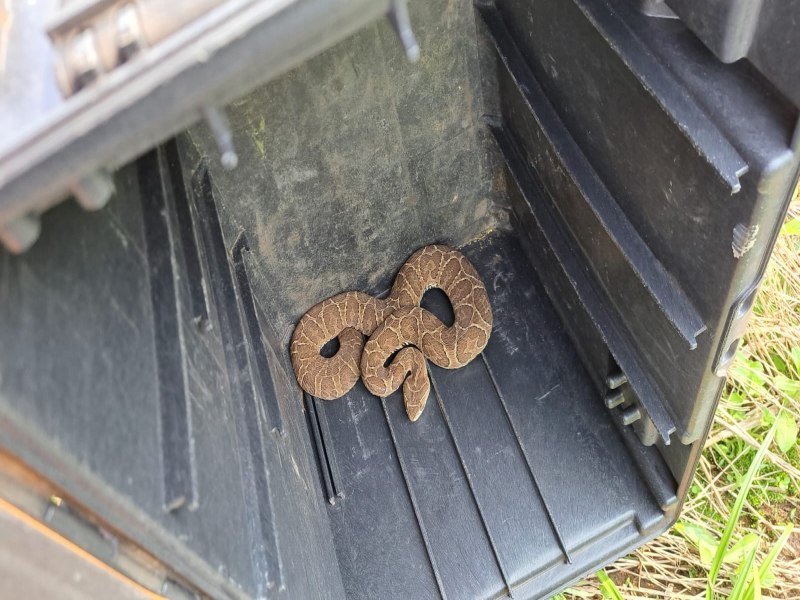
pixel 765 378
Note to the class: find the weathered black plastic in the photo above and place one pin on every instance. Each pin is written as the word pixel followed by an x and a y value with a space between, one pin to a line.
pixel 618 189
pixel 765 33
pixel 619 120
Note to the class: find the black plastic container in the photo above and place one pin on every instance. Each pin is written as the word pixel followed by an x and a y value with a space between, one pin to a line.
pixel 619 190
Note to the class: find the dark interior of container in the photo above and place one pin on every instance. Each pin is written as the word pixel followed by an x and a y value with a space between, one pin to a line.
pixel 165 402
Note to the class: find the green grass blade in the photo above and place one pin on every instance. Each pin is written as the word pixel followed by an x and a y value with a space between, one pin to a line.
pixel 755 583
pixel 736 511
pixel 763 570
pixel 607 587
pixel 738 591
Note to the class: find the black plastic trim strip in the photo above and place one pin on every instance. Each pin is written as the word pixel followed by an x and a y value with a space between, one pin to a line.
pixel 173 401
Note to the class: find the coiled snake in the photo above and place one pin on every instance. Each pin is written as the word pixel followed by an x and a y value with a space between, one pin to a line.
pixel 396 324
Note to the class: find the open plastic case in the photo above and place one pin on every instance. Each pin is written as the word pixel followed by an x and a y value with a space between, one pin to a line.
pixel 619 190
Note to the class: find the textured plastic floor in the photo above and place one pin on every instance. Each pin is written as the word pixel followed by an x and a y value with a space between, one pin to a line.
pixel 479 497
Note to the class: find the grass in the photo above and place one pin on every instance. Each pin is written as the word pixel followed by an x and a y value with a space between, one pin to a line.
pixel 735 539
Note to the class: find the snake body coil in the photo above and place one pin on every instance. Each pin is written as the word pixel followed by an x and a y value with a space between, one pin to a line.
pixel 394 324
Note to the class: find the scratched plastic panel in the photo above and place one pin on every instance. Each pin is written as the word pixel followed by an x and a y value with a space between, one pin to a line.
pixel 80 370
pixel 379 544
pixel 111 386
pixel 57 375
pixel 555 419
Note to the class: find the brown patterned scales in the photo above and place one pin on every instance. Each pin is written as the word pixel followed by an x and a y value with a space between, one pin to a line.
pixel 395 323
